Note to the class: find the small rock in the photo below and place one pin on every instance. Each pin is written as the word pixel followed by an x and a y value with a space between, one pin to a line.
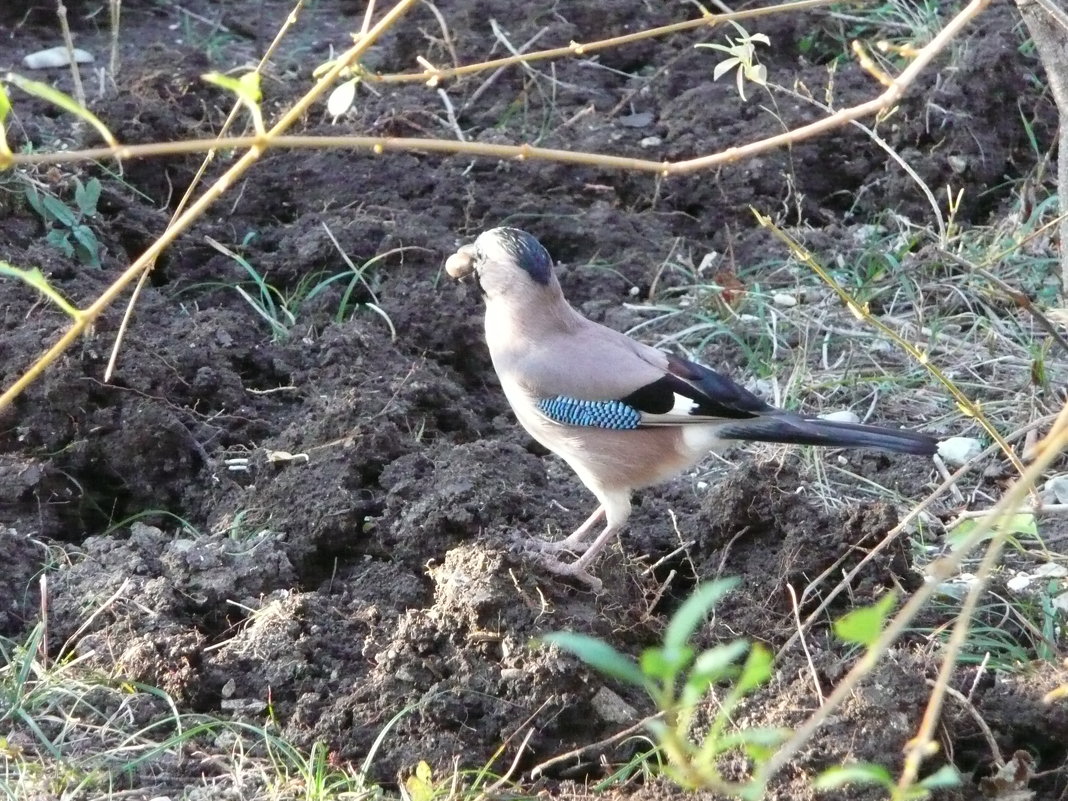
pixel 250 706
pixel 643 119
pixel 1050 570
pixel 958 450
pixel 1056 489
pixel 56 57
pixel 651 141
pixel 784 300
pixel 844 416
pixel 611 708
pixel 1019 582
pixel 957 587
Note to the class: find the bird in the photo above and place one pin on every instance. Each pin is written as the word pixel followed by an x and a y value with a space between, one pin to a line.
pixel 624 415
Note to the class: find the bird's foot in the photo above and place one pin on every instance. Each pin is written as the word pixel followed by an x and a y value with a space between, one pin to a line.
pixel 555 546
pixel 569 570
pixel 543 553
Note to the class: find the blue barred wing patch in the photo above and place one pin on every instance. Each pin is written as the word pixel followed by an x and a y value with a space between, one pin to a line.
pixel 611 414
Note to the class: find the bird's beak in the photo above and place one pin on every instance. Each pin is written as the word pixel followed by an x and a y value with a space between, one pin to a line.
pixel 461 263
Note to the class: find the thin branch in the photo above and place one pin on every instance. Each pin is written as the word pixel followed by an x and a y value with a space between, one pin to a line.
pixel 1053 445
pixel 274 138
pixel 256 148
pixel 291 20
pixel 433 76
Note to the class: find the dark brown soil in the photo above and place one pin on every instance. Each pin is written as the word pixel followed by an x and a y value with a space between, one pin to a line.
pixel 326 593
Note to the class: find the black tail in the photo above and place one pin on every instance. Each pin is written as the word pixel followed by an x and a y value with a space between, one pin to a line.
pixel 796 430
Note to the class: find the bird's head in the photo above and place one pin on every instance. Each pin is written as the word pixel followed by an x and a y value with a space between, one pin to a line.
pixel 506 263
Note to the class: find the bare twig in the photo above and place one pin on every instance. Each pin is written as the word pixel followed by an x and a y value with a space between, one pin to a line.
pixel 68 41
pixel 804 643
pixel 969 707
pixel 450 112
pixel 1015 295
pixel 896 531
pixel 938 571
pixel 435 76
pixel 257 146
pixel 115 16
pixel 235 110
pixel 529 43
pixel 541 767
pixel 1048 26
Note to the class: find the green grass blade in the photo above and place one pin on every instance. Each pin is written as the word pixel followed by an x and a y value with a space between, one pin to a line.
pixel 694 610
pixel 63 101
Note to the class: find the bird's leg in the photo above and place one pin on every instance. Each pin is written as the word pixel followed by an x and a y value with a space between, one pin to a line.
pixel 574 540
pixel 595 548
pixel 616 509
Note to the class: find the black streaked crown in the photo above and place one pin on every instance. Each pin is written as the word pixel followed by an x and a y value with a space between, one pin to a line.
pixel 528 253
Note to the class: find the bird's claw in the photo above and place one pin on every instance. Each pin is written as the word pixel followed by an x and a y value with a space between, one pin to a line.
pixel 569 570
pixel 536 545
pixel 542 553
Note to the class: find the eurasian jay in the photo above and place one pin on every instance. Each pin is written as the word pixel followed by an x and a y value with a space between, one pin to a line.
pixel 622 414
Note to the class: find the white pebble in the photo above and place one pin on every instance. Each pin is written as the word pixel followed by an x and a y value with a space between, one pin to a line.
pixel 651 141
pixel 844 416
pixel 784 300
pixel 708 261
pixel 55 57
pixel 1051 570
pixel 956 587
pixel 1019 582
pixel 958 450
pixel 1056 489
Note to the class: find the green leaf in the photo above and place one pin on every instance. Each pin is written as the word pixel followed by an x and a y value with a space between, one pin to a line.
pixel 758 744
pixel 597 654
pixel 723 67
pixel 757 669
pixel 87 245
pixel 35 278
pixel 247 87
pixel 1022 524
pixel 60 240
pixel 863 626
pixel 715 663
pixel 664 663
pixel 65 102
pixel 33 197
pixel 58 210
pixel 86 196
pixel 694 610
pixel 860 773
pixel 5 109
pixel 945 776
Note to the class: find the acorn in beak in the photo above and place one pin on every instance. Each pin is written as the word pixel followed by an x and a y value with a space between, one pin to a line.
pixel 461 263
